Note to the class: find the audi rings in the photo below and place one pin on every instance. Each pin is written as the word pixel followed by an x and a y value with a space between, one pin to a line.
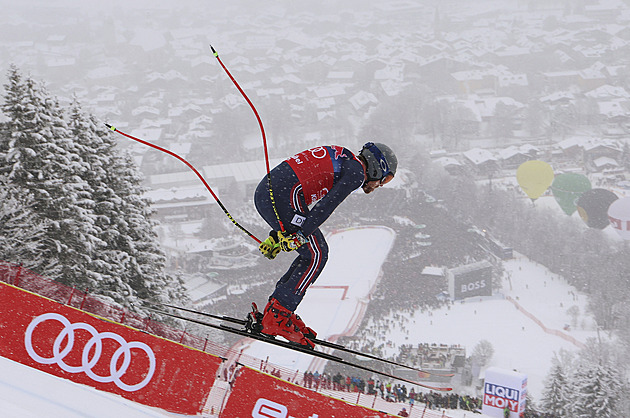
pixel 87 363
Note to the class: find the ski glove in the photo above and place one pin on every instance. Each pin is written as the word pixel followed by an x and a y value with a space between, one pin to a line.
pixel 290 242
pixel 271 246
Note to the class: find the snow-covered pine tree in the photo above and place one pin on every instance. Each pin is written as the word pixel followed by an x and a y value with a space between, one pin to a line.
pixel 42 160
pixel 132 255
pixel 596 391
pixel 145 261
pixel 97 150
pixel 556 392
pixel 21 236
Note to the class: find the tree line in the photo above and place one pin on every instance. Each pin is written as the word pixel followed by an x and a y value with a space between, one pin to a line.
pixel 71 204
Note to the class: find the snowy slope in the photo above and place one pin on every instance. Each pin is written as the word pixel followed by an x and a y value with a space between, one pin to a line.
pixel 519 342
pixel 26 392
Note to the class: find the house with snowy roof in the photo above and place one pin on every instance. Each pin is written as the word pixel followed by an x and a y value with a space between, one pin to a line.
pixel 614 110
pixel 608 91
pixel 570 149
pixel 180 202
pixel 562 79
pixel 514 85
pixel 591 78
pixel 512 157
pixel 481 161
pixel 471 81
pixel 603 165
pixel 597 148
pixel 451 165
pixel 363 100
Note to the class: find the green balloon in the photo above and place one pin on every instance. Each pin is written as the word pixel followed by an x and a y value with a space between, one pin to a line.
pixel 567 189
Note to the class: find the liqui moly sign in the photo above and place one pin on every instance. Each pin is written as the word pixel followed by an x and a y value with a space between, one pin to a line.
pixel 501 397
pixel 504 390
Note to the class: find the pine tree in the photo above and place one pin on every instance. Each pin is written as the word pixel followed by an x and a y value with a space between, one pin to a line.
pixel 145 261
pixel 131 255
pixel 42 160
pixel 483 352
pixel 97 151
pixel 597 390
pixel 556 393
pixel 20 235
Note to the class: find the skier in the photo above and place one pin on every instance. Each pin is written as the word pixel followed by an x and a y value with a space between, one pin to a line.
pixel 305 190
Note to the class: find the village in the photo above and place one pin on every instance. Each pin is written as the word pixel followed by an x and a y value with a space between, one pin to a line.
pixel 479 90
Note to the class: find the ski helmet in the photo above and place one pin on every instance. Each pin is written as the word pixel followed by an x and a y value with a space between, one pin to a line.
pixel 381 160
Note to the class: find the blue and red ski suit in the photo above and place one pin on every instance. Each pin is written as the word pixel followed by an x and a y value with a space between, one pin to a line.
pixel 323 176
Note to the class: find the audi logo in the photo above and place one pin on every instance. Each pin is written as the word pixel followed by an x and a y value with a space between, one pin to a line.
pixel 87 362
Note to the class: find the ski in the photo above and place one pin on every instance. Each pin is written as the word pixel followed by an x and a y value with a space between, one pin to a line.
pixel 317 341
pixel 299 348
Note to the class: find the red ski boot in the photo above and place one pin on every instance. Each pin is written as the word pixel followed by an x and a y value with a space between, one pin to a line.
pixel 278 320
pixel 307 331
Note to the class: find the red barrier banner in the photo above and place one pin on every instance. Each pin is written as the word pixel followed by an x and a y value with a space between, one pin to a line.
pixel 72 344
pixel 259 395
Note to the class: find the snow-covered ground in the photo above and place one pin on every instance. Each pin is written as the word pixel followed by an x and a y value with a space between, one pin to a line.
pixel 335 305
pixel 519 342
pixel 29 393
pixel 523 339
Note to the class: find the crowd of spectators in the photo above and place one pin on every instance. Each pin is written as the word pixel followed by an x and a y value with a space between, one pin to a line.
pixel 387 390
pixel 430 355
pixel 373 339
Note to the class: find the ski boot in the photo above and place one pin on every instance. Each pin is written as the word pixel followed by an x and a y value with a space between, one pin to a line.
pixel 307 331
pixel 278 320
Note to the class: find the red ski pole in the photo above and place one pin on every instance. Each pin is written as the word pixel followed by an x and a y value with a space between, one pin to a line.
pixel 194 170
pixel 262 131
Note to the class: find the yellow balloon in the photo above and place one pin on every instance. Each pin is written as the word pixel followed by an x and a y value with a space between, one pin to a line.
pixel 534 177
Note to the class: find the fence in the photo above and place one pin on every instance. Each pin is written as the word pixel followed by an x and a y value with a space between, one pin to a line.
pixel 549 331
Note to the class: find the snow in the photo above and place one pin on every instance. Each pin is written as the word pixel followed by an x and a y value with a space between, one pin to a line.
pixel 26 392
pixel 519 342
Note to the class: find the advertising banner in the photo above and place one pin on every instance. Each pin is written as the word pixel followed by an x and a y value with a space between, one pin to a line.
pixel 470 280
pixel 504 390
pixel 259 395
pixel 74 345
